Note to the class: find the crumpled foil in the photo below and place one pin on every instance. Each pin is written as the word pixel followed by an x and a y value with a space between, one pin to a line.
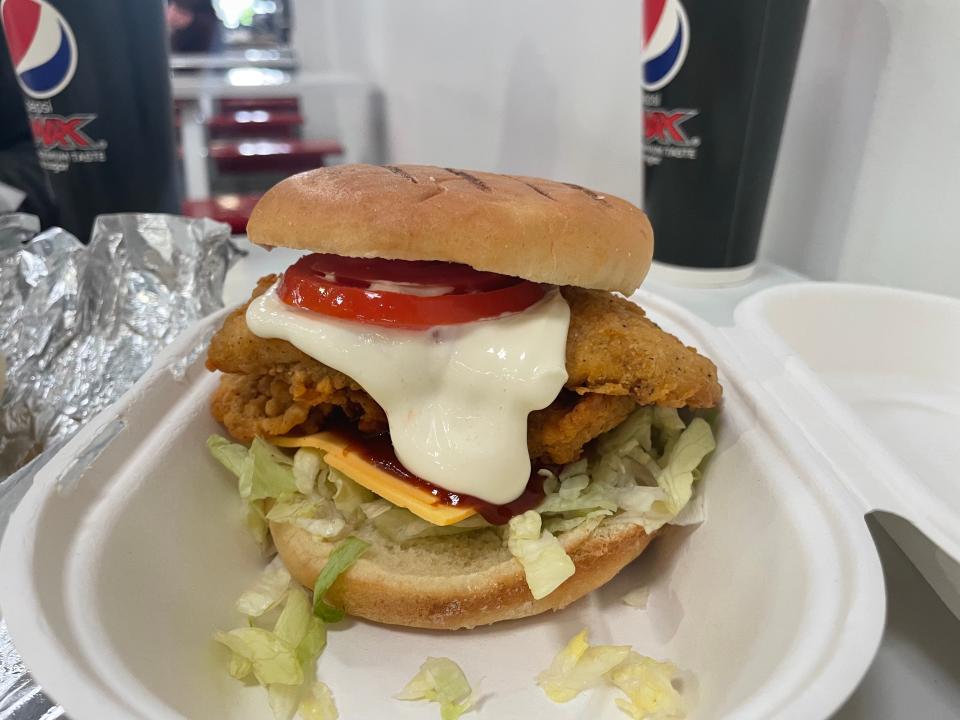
pixel 78 326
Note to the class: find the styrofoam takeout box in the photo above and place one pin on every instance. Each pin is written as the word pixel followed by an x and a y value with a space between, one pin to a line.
pixel 129 550
pixel 887 361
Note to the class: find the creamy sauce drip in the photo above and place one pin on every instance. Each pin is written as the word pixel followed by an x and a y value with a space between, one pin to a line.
pixel 456 396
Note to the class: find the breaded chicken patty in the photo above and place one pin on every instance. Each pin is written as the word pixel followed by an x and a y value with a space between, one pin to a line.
pixel 617 359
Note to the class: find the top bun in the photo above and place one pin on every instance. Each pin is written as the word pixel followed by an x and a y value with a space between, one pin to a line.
pixel 541 230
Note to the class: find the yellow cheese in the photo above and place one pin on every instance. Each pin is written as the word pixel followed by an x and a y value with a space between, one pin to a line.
pixel 416 499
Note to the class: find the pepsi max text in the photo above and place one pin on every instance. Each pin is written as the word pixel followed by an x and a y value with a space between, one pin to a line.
pixel 716 82
pixel 95 82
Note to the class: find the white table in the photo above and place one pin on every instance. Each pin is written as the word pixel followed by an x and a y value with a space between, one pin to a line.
pixel 916 673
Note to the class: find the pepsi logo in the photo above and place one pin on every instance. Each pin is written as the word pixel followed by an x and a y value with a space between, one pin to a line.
pixel 666 37
pixel 41 44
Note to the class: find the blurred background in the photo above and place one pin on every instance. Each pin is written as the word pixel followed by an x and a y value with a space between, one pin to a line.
pixel 523 87
pixel 265 88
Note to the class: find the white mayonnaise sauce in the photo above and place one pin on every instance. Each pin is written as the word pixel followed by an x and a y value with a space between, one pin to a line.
pixel 456 396
pixel 410 288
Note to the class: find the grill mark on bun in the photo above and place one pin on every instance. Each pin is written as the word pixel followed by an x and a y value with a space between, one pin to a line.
pixel 402 173
pixel 472 179
pixel 539 191
pixel 590 193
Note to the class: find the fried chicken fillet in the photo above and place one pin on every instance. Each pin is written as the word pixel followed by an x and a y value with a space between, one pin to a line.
pixel 617 359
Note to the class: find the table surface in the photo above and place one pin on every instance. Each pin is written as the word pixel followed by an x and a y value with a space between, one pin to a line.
pixel 916 673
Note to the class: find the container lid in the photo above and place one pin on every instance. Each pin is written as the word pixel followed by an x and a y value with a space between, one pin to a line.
pixel 870 375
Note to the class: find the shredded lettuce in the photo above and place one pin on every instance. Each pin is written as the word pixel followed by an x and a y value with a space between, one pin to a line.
pixel 296 506
pixel 267 472
pixel 313 642
pixel 234 457
pixel 651 689
pixel 668 423
pixel 643 471
pixel 441 680
pixel 281 659
pixel 574 479
pixel 688 451
pixel 545 562
pixel 331 528
pixel 593 497
pixel 255 519
pixel 319 704
pixel 269 589
pixel 376 508
pixel 578 667
pixel 349 496
pixel 281 656
pixel 262 471
pixel 240 667
pixel 559 523
pixel 400 525
pixel 309 468
pixel 283 700
pixel 315 514
pixel 294 619
pixel 230 455
pixel 654 690
pixel 293 625
pixel 636 430
pixel 342 557
pixel 272 659
pixel 667 420
pixel 695 511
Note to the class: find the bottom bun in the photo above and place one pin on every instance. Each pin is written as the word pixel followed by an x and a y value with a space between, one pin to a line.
pixel 455 581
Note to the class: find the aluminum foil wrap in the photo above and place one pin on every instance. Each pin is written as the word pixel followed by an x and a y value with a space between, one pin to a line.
pixel 78 326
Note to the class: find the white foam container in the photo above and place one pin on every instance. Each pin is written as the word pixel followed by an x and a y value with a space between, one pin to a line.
pixel 882 367
pixel 129 550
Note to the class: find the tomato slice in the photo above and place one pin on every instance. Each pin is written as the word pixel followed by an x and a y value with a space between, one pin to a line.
pixel 363 271
pixel 440 293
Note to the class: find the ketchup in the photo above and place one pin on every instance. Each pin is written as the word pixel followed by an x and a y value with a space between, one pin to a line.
pixel 378 451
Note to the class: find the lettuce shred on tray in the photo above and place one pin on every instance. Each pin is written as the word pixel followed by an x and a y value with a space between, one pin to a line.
pixel 280 645
pixel 654 690
pixel 281 658
pixel 319 704
pixel 441 680
pixel 285 629
pixel 642 472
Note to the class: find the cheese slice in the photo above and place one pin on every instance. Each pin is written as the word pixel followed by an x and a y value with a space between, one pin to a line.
pixel 417 500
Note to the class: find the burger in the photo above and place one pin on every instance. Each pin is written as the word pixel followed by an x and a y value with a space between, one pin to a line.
pixel 452 375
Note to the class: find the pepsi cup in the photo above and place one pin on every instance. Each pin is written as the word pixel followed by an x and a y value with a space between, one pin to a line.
pixel 96 83
pixel 717 78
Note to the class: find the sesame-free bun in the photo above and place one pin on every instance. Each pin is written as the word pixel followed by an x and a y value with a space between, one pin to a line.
pixel 541 230
pixel 455 581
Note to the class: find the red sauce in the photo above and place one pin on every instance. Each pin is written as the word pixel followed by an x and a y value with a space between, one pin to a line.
pixel 378 451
